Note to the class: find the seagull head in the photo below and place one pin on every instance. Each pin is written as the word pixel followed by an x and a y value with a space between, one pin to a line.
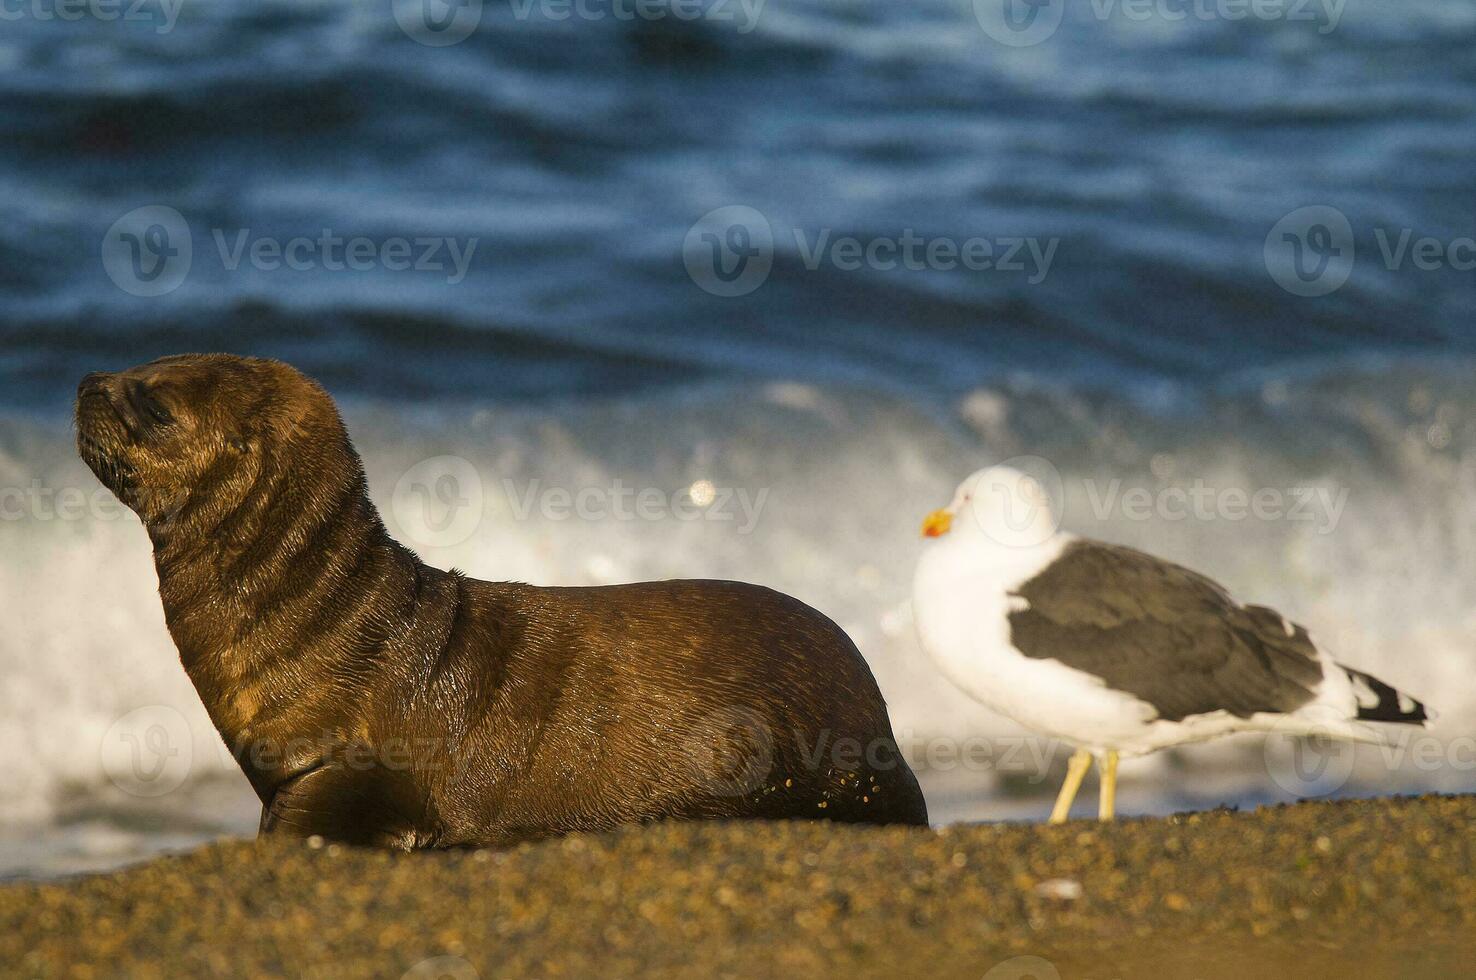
pixel 1007 506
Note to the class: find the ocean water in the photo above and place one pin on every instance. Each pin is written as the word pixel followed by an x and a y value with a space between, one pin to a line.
pixel 1155 321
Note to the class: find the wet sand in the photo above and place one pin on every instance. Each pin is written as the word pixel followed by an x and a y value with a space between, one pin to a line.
pixel 1353 888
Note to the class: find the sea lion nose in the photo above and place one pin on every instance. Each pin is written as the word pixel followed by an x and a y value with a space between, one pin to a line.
pixel 96 382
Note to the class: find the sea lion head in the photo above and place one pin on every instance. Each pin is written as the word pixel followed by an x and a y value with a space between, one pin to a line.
pixel 190 438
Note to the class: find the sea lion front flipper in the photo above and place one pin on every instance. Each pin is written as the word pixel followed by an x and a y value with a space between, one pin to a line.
pixel 340 805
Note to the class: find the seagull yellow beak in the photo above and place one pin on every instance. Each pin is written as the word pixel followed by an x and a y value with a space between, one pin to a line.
pixel 936 524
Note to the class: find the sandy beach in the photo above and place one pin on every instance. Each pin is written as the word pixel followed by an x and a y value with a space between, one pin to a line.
pixel 1367 888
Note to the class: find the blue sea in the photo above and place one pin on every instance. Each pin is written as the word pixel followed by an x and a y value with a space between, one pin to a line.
pixel 802 263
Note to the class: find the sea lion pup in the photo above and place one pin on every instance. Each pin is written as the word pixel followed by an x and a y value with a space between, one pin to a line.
pixel 374 700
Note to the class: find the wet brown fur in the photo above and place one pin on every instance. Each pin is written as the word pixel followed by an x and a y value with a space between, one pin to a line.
pixel 372 699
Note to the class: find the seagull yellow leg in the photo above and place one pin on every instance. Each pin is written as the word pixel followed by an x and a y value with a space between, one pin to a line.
pixel 1107 800
pixel 1075 770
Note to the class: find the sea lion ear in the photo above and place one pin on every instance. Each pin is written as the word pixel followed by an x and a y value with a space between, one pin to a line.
pixel 239 444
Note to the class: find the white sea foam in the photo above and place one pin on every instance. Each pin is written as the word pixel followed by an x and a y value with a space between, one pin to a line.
pixel 846 478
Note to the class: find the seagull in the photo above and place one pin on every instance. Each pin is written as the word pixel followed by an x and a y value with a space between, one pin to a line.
pixel 1114 651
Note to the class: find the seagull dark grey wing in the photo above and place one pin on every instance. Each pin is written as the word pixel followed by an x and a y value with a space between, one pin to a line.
pixel 1164 634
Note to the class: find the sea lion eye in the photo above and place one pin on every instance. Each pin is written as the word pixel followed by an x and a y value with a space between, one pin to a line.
pixel 156 411
pixel 146 406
